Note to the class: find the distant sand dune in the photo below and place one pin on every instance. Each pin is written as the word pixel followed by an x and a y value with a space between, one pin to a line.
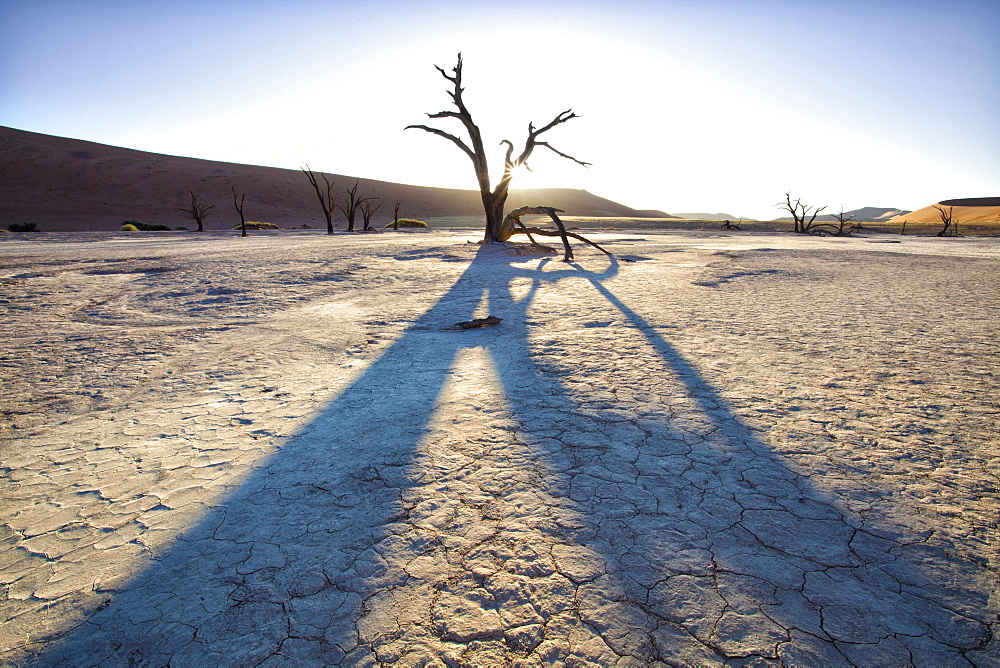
pixel 965 210
pixel 73 185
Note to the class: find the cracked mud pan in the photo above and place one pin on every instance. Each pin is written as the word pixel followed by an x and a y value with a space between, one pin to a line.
pixel 739 450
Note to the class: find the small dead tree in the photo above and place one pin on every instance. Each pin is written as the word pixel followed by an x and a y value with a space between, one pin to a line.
pixel 844 226
pixel 324 194
pixel 494 198
pixel 947 218
pixel 395 214
pixel 368 209
pixel 799 212
pixel 198 211
pixel 238 203
pixel 351 206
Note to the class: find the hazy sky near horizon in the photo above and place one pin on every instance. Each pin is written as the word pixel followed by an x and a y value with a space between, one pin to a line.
pixel 684 105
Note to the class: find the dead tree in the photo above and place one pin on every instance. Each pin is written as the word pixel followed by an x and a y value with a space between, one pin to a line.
pixel 395 214
pixel 368 209
pixel 493 198
pixel 512 225
pixel 325 196
pixel 842 228
pixel 799 212
pixel 238 203
pixel 351 206
pixel 198 211
pixel 947 218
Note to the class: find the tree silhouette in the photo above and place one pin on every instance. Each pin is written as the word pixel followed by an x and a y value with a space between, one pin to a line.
pixel 368 209
pixel 395 214
pixel 198 211
pixel 947 218
pixel 325 196
pixel 799 212
pixel 350 208
pixel 493 199
pixel 238 203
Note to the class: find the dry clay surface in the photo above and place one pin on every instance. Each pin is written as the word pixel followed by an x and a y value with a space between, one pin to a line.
pixel 718 449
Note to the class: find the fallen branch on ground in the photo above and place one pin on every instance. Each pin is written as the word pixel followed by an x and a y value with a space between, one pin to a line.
pixel 479 322
pixel 513 220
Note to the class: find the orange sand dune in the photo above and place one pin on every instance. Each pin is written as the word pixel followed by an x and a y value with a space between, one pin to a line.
pixel 69 184
pixel 965 210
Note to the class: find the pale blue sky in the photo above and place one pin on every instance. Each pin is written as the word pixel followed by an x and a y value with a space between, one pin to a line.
pixel 684 105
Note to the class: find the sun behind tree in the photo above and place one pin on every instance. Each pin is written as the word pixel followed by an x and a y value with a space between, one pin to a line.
pixel 493 199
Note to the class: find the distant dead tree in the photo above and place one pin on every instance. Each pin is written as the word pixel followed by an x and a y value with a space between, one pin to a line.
pixel 799 212
pixel 493 199
pixel 325 196
pixel 239 208
pixel 947 218
pixel 368 209
pixel 730 225
pixel 395 214
pixel 844 227
pixel 198 211
pixel 351 206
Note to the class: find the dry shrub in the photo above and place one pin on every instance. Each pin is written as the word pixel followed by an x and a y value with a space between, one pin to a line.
pixel 409 222
pixel 258 226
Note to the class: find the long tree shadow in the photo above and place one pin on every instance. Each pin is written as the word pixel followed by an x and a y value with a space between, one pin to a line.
pixel 481 497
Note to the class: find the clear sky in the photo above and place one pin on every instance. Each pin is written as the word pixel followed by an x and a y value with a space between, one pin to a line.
pixel 707 106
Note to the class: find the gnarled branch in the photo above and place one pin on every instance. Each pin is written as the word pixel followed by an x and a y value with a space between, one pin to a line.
pixel 561 154
pixel 514 219
pixel 450 137
pixel 531 142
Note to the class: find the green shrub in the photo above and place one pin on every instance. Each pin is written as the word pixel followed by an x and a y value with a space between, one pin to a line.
pixel 144 227
pixel 409 222
pixel 181 228
pixel 23 227
pixel 258 226
pixel 128 227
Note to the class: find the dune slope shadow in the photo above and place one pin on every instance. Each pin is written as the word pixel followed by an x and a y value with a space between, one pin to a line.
pixel 483 497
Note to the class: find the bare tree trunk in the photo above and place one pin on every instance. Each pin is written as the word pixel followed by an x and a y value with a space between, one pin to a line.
pixel 350 210
pixel 367 211
pixel 494 206
pixel 239 208
pixel 326 200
